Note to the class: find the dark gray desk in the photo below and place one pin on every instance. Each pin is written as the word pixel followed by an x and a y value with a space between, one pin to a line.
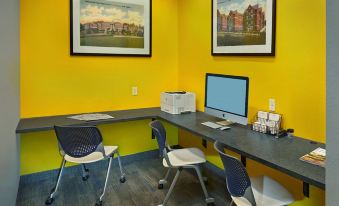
pixel 281 154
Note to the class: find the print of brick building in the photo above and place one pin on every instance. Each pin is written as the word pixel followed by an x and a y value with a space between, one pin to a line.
pixel 235 22
pixel 222 22
pixel 253 20
pixel 101 27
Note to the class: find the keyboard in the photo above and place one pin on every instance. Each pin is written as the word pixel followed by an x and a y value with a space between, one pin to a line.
pixel 211 125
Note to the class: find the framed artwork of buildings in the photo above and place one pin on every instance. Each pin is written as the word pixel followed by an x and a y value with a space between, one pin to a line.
pixel 243 27
pixel 111 27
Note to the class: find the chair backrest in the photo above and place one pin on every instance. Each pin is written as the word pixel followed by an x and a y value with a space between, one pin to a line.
pixel 237 180
pixel 160 134
pixel 78 141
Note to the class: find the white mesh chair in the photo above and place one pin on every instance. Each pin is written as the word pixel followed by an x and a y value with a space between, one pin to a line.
pixel 245 191
pixel 83 145
pixel 179 159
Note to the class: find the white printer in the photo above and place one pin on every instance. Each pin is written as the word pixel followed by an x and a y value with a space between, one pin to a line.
pixel 177 102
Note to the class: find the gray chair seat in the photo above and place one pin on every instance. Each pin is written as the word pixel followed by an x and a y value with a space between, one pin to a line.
pixel 93 157
pixel 183 157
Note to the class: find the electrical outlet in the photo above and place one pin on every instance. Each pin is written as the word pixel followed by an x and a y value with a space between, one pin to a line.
pixel 272 105
pixel 134 91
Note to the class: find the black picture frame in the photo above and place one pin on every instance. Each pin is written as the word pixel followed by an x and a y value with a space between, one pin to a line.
pixel 76 53
pixel 271 46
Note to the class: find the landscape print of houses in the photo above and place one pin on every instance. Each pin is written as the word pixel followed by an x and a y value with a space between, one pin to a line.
pixel 241 22
pixel 106 23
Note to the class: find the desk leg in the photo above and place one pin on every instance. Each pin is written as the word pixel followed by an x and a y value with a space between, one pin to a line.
pixel 243 160
pixel 153 135
pixel 306 189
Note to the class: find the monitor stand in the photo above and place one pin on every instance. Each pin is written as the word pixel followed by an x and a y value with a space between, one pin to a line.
pixel 225 123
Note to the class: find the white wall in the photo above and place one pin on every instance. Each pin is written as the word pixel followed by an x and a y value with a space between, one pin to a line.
pixel 332 168
pixel 9 100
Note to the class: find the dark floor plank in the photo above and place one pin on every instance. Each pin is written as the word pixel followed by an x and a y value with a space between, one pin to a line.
pixel 140 189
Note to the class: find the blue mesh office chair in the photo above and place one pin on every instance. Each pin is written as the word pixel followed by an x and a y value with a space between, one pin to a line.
pixel 83 145
pixel 245 191
pixel 179 159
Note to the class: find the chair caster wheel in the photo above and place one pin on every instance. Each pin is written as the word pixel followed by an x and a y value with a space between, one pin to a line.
pixel 122 179
pixel 98 203
pixel 160 186
pixel 85 178
pixel 49 201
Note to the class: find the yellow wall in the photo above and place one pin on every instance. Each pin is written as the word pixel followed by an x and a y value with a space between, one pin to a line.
pixel 295 77
pixel 53 82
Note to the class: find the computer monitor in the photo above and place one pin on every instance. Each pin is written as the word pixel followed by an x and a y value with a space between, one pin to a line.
pixel 226 97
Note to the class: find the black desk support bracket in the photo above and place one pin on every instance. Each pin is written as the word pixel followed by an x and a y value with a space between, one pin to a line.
pixel 153 135
pixel 306 189
pixel 243 160
pixel 204 143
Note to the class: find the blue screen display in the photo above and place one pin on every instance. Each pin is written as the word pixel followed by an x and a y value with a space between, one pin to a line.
pixel 227 94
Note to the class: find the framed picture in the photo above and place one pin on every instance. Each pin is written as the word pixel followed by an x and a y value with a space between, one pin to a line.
pixel 243 27
pixel 111 27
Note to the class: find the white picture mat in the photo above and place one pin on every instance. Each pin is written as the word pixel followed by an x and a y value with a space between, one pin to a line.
pixel 77 48
pixel 245 49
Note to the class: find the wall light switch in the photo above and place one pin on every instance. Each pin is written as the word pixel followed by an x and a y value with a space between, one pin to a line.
pixel 272 105
pixel 134 91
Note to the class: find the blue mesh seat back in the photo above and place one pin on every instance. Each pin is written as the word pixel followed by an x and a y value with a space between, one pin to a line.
pixel 237 179
pixel 160 134
pixel 78 141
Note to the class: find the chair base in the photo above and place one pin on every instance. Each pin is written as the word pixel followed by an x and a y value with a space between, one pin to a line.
pixel 209 201
pixel 98 203
pixel 162 182
pixel 123 179
pixel 49 201
pixel 160 186
pixel 85 178
pixel 85 173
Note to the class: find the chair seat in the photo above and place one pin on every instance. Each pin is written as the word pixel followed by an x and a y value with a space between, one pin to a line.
pixel 268 192
pixel 187 156
pixel 93 157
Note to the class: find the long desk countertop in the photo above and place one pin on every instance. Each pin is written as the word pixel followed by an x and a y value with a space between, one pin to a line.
pixel 282 154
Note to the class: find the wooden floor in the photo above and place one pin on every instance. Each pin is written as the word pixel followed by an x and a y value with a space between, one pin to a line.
pixel 139 189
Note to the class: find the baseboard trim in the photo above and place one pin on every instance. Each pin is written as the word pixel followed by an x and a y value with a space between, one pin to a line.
pixel 76 170
pixel 216 170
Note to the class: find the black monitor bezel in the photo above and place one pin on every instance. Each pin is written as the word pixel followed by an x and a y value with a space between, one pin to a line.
pixel 230 77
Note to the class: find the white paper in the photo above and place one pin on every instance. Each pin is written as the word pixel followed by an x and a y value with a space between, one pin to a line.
pixel 91 117
pixel 319 151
